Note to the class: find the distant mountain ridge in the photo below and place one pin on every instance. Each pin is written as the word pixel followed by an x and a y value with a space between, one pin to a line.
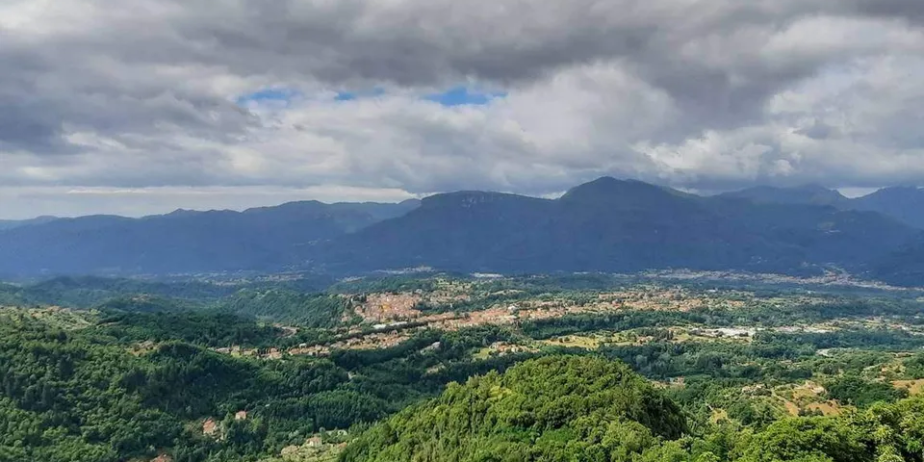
pixel 903 203
pixel 606 225
pixel 266 238
pixel 616 226
pixel 10 224
pixel 804 195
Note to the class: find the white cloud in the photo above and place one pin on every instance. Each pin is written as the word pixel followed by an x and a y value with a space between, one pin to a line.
pixel 143 96
pixel 136 202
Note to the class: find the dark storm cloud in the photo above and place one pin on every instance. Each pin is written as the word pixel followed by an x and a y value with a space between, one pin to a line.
pixel 405 43
pixel 819 131
pixel 27 121
pixel 706 54
pixel 57 84
pixel 912 10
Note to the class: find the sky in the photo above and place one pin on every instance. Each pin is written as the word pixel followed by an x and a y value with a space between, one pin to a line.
pixel 145 106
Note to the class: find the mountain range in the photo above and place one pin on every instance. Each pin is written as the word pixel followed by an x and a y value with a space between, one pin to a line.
pixel 606 225
pixel 184 241
pixel 10 224
pixel 903 203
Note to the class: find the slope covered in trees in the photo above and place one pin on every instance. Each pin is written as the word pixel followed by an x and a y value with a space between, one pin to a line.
pixel 69 396
pixel 136 378
pixel 586 409
pixel 132 386
pixel 297 301
pixel 554 408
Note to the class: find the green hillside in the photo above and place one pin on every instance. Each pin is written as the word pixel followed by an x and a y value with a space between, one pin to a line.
pixel 554 408
pixel 588 409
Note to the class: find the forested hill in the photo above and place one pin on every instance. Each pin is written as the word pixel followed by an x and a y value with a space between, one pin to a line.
pixel 585 409
pixel 553 408
pixel 141 387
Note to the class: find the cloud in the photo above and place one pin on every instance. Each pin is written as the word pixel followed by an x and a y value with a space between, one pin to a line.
pixel 425 96
pixel 69 202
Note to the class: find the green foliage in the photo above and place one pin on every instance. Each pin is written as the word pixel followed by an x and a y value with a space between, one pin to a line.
pixel 11 295
pixel 139 374
pixel 76 396
pixel 89 291
pixel 311 310
pixel 855 390
pixel 138 383
pixel 145 304
pixel 388 284
pixel 61 400
pixel 572 324
pixel 914 366
pixel 554 408
pixel 208 329
pixel 585 409
pixel 294 301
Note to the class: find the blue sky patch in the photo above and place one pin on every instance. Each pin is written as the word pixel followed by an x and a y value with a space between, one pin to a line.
pixel 461 96
pixel 350 95
pixel 281 95
pixel 455 96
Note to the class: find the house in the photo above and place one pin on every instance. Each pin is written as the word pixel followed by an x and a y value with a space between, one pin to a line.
pixel 209 427
pixel 314 442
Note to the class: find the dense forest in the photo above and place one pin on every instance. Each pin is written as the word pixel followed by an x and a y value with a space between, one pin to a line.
pixel 303 301
pixel 554 408
pixel 580 409
pixel 138 384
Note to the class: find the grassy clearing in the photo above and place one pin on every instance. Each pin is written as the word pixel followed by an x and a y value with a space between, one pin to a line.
pixel 914 387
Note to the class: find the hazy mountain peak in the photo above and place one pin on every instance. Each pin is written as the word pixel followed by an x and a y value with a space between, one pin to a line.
pixel 468 198
pixel 614 192
pixel 10 224
pixel 182 213
pixel 411 203
pixel 898 191
pixel 815 188
pixel 904 203
pixel 808 194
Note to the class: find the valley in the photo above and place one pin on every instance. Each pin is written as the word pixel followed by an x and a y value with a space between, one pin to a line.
pixel 270 371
